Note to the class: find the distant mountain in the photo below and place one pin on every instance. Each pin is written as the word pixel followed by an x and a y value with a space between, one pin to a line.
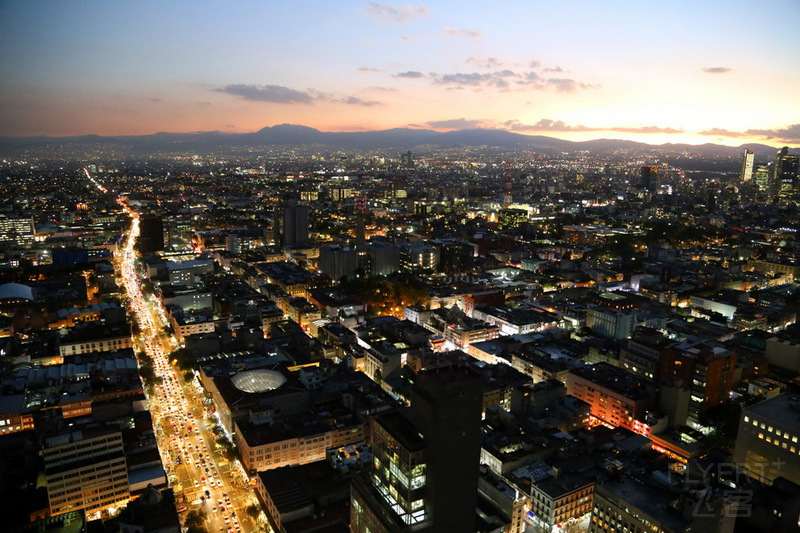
pixel 396 139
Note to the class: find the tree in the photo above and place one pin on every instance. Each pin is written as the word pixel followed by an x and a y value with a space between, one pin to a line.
pixel 195 518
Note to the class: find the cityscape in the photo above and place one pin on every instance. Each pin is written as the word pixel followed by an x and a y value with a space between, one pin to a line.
pixel 461 279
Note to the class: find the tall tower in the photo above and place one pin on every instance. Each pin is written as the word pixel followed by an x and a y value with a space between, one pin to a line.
pixel 784 180
pixel 649 178
pixel 748 157
pixel 151 234
pixel 425 468
pixel 507 197
pixel 295 224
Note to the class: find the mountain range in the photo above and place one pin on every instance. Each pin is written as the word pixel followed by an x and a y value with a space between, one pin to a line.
pixel 397 139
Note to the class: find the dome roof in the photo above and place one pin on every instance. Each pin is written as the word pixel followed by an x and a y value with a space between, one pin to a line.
pixel 16 291
pixel 260 380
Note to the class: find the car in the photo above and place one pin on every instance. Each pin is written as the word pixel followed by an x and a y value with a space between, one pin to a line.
pixel 208 493
pixel 182 508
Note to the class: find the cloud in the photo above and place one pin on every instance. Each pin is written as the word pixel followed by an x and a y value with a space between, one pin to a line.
pixel 461 32
pixel 499 79
pixel 534 63
pixel 544 125
pixel 410 74
pixel 716 70
pixel 268 93
pixel 563 85
pixel 551 69
pixel 789 133
pixel 502 79
pixel 368 69
pixel 454 124
pixel 558 125
pixel 354 100
pixel 722 132
pixel 284 95
pixel 486 62
pixel 399 14
pixel 645 129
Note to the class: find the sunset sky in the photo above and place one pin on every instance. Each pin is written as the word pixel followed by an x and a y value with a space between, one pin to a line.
pixel 678 71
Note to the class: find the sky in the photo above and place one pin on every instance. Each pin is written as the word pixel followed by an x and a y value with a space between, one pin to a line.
pixel 679 71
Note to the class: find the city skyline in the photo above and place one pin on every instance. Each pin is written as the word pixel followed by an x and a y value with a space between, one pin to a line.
pixel 681 73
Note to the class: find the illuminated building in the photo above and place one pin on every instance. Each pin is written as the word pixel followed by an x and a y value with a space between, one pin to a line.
pixel 706 369
pixel 425 469
pixel 17 230
pixel 615 396
pixel 85 470
pixel 419 256
pixel 554 497
pixel 630 505
pixel 768 442
pixel 784 173
pixel 648 179
pixel 512 218
pixel 747 165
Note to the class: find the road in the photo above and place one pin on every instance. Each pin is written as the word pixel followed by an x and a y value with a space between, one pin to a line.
pixel 197 470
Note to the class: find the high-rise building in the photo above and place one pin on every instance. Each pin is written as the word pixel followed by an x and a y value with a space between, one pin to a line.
pixel 151 234
pixel 338 261
pixel 407 160
pixel 706 368
pixel 748 158
pixel 649 178
pixel 425 468
pixel 18 230
pixel 784 174
pixel 761 175
pixel 295 225
pixel 85 470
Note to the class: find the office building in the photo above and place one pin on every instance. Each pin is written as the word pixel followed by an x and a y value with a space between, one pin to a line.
pixel 338 261
pixel 630 505
pixel 425 469
pixel 767 445
pixel 85 470
pixel 648 178
pixel 17 230
pixel 707 369
pixel 295 225
pixel 784 177
pixel 151 234
pixel 616 396
pixel 748 158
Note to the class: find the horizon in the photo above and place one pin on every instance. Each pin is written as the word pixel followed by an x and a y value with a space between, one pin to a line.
pixel 478 128
pixel 646 73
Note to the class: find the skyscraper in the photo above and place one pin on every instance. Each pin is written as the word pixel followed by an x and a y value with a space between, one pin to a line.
pixel 425 475
pixel 748 157
pixel 649 178
pixel 151 236
pixel 784 177
pixel 295 225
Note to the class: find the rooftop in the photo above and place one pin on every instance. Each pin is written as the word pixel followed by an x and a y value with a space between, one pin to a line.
pixel 259 380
